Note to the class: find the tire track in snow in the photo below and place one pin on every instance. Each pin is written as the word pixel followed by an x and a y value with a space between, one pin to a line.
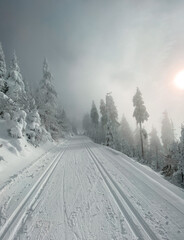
pixel 140 228
pixel 19 215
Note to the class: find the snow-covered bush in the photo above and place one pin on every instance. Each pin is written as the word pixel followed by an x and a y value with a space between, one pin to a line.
pixel 34 131
pixel 18 124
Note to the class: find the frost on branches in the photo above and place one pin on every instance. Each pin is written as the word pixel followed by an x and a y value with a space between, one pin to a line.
pixel 35 121
pixel 47 102
pixel 15 84
pixel 2 70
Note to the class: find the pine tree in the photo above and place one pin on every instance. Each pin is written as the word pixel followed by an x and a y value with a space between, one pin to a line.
pixel 103 121
pixel 126 138
pixel 140 113
pixel 112 113
pixel 34 130
pixel 7 105
pixel 103 112
pixel 94 115
pixel 167 133
pixel 16 88
pixel 181 159
pixel 94 132
pixel 112 122
pixel 47 101
pixel 2 70
pixel 155 150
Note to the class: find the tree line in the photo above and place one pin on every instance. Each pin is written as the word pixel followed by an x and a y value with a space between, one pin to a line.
pixel 165 154
pixel 37 116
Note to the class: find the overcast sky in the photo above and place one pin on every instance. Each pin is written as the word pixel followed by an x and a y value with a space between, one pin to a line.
pixel 99 46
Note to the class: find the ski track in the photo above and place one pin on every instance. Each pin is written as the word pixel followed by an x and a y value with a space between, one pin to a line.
pixel 164 216
pixel 18 215
pixel 14 177
pixel 88 192
pixel 16 188
pixel 137 224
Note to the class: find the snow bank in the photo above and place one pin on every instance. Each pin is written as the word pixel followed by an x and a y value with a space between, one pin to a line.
pixel 16 154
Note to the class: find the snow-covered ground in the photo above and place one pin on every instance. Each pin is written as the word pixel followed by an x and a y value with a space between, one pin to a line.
pixel 16 154
pixel 81 190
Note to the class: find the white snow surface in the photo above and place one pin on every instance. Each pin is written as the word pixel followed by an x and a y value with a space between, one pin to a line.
pixel 82 190
pixel 16 154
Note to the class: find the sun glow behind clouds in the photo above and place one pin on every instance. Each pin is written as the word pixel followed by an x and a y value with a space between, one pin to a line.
pixel 179 80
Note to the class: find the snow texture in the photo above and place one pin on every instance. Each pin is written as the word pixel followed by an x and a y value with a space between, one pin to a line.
pixel 82 190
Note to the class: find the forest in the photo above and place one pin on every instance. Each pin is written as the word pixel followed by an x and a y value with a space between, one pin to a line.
pixel 38 116
pixel 165 155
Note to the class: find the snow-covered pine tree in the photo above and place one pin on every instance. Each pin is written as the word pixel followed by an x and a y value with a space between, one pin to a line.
pixel 167 133
pixel 126 138
pixel 2 70
pixel 47 102
pixel 140 113
pixel 94 133
pixel 6 103
pixel 103 121
pixel 14 99
pixel 155 150
pixel 175 160
pixel 94 115
pixel 34 130
pixel 16 88
pixel 181 159
pixel 103 112
pixel 112 123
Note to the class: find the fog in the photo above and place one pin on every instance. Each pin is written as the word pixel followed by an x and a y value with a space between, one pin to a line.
pixel 99 46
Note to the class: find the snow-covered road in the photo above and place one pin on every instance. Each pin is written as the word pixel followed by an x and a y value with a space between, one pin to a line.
pixel 81 190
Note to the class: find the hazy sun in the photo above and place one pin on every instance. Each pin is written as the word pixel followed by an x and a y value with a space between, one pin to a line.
pixel 179 80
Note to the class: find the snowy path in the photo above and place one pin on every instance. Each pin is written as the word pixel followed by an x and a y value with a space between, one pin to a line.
pixel 81 190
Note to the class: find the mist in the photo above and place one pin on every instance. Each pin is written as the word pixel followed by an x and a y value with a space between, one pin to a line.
pixel 95 47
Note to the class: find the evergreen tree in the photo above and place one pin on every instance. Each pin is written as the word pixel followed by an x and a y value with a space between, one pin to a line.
pixel 140 113
pixel 103 121
pixel 94 115
pixel 47 102
pixel 34 130
pixel 112 122
pixel 2 70
pixel 7 105
pixel 103 112
pixel 126 138
pixel 16 88
pixel 94 133
pixel 112 113
pixel 155 150
pixel 167 133
pixel 181 159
